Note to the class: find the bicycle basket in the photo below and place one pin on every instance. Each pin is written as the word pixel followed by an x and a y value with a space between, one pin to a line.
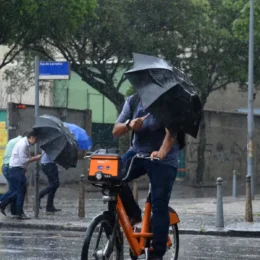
pixel 104 167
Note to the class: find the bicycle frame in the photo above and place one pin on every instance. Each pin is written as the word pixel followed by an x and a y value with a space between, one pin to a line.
pixel 132 237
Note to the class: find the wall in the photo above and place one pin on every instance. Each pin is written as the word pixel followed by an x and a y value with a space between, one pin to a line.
pixel 20 120
pixel 76 94
pixel 226 135
pixel 230 99
pixel 3 141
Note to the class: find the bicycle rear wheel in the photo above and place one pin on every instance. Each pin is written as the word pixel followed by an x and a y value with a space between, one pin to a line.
pixel 97 238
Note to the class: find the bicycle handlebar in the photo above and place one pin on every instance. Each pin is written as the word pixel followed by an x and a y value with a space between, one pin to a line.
pixel 139 156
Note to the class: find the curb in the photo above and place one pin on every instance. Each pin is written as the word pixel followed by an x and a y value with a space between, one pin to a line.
pixel 221 233
pixel 47 227
pixel 182 231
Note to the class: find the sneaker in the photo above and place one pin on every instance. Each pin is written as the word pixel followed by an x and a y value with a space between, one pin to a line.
pixel 52 210
pixel 22 217
pixel 2 208
pixel 154 257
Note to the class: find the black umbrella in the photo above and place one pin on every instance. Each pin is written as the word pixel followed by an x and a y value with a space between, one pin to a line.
pixel 56 140
pixel 167 93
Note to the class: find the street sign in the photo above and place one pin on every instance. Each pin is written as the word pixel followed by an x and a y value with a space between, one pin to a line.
pixel 50 70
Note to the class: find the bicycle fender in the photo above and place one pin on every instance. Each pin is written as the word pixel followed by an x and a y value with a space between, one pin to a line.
pixel 174 218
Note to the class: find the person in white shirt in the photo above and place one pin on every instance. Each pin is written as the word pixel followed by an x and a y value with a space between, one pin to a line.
pixel 18 164
pixel 5 167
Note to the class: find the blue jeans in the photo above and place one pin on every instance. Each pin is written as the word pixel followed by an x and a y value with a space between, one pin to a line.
pixel 5 171
pixel 52 173
pixel 162 178
pixel 17 188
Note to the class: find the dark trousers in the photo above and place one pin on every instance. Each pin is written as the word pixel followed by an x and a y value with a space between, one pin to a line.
pixel 162 178
pixel 52 173
pixel 17 189
pixel 5 171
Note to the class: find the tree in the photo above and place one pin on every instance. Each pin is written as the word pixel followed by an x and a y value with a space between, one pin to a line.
pixel 195 35
pixel 241 31
pixel 24 22
pixel 204 46
pixel 105 42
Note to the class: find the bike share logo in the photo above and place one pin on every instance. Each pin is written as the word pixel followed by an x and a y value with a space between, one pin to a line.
pixel 100 167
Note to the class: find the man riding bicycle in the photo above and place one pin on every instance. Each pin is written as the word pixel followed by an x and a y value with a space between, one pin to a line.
pixel 153 139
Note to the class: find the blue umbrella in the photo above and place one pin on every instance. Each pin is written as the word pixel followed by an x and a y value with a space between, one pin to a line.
pixel 83 140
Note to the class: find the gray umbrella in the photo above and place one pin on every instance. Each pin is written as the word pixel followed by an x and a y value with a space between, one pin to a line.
pixel 167 93
pixel 56 140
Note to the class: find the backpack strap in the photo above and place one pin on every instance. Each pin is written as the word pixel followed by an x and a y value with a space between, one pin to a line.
pixel 134 101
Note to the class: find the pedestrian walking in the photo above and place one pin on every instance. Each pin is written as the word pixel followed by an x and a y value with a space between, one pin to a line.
pixel 5 167
pixel 50 169
pixel 20 158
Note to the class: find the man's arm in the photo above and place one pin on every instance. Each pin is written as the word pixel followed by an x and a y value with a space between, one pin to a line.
pixel 24 156
pixel 120 127
pixel 166 146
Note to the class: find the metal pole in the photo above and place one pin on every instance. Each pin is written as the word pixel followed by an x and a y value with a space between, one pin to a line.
pixel 81 209
pixel 250 117
pixel 220 211
pixel 249 208
pixel 37 174
pixel 234 193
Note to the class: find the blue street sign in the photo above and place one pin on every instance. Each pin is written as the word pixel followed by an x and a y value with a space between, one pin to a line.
pixel 49 70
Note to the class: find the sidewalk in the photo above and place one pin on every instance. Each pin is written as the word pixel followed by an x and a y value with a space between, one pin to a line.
pixel 197 215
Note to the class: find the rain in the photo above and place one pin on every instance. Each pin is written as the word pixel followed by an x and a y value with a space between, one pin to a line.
pixel 69 71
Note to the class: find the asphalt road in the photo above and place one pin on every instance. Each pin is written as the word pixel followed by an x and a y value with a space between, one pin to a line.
pixel 41 245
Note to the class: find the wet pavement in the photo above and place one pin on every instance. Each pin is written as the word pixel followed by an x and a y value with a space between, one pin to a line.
pixel 197 213
pixel 41 245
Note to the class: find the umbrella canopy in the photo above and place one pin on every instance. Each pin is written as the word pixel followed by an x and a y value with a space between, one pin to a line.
pixel 83 140
pixel 167 93
pixel 56 140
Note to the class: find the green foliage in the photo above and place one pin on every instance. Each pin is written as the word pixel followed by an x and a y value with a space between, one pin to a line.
pixel 203 37
pixel 23 22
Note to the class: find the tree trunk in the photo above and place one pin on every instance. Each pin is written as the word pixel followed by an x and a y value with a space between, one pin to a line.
pixel 198 181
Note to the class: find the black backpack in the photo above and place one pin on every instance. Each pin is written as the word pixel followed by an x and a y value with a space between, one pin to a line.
pixel 134 101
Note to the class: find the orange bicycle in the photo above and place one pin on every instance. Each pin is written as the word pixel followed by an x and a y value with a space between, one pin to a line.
pixel 104 236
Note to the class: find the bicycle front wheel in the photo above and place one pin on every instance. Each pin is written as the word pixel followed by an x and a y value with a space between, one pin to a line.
pixel 173 251
pixel 97 239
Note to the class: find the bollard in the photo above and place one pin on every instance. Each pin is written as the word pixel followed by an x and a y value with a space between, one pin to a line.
pixel 234 192
pixel 135 191
pixel 220 212
pixel 249 208
pixel 81 210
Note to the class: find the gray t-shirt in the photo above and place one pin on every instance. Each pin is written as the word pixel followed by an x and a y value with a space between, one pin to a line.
pixel 150 137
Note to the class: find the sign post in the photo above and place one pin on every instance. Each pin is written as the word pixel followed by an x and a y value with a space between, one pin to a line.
pixel 45 70
pixel 250 116
pixel 36 114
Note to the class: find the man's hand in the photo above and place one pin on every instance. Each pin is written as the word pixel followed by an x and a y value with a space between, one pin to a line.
pixel 158 154
pixel 136 124
pixel 38 157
